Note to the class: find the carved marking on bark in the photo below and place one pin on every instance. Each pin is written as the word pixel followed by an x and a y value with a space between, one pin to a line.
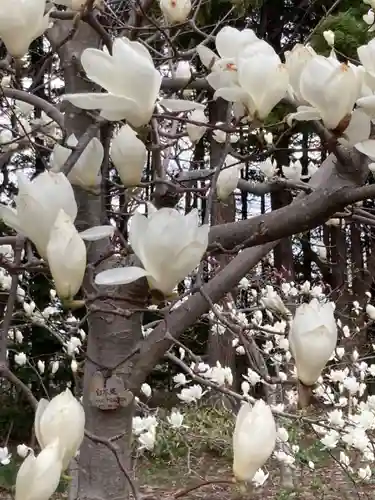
pixel 109 393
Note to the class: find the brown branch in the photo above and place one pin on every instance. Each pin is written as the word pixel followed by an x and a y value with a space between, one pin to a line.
pixel 177 321
pixel 9 375
pixel 37 102
pixel 332 193
pixel 11 302
pixel 83 142
pixel 184 492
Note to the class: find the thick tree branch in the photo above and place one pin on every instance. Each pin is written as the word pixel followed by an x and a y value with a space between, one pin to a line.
pixel 178 320
pixel 35 101
pixel 333 192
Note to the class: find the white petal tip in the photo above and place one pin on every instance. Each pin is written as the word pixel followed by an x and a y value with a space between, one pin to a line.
pixel 120 276
pixel 97 233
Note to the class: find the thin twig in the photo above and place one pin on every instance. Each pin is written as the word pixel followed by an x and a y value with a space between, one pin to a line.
pixel 184 492
pixel 11 302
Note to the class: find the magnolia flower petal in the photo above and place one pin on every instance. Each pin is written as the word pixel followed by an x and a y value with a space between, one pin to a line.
pixel 367 148
pixel 10 218
pixel 129 155
pixel 359 128
pixel 96 100
pixel 64 417
pixel 99 66
pixel 207 56
pixel 229 41
pixel 368 105
pixel 40 409
pixel 97 233
pixel 137 47
pixel 138 228
pixel 66 255
pixel 24 473
pixel 304 113
pixel 120 276
pixel 231 94
pixel 220 79
pixel 180 105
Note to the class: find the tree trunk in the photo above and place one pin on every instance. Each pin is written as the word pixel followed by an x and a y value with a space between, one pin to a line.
pixel 113 329
pixel 220 347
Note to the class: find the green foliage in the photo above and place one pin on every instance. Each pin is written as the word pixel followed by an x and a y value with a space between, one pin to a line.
pixel 350 32
pixel 208 430
pixel 16 417
pixel 8 474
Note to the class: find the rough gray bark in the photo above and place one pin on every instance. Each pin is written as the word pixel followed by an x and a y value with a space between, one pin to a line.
pixel 113 329
pixel 220 346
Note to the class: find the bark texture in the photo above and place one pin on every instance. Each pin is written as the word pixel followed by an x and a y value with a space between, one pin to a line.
pixel 114 327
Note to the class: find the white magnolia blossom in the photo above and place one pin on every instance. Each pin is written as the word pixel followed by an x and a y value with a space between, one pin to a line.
pixel 254 439
pixel 175 419
pixel 176 11
pixel 370 311
pixel 38 477
pixel 169 245
pixel 331 439
pixel 72 346
pixel 293 172
pixel 21 22
pixel 5 456
pixel 196 132
pixel 22 450
pixel 268 168
pixel 220 136
pixel 228 178
pixel 364 473
pixel 312 338
pixel 191 394
pixel 129 156
pixel 369 19
pixel 41 366
pixel 229 42
pixel 268 137
pixel 86 171
pixel 272 301
pixel 147 440
pixel 20 359
pixel 221 375
pixel 66 255
pixel 295 61
pixel 144 424
pixel 252 377
pixel 183 70
pixel 129 77
pixel 180 379
pixel 329 37
pixel 330 88
pixel 5 137
pixel 38 203
pixel 366 55
pixel 253 69
pixel 260 478
pixel 62 417
pixel 146 390
pixel 54 367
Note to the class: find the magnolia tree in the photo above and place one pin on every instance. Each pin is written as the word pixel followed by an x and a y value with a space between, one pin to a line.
pixel 117 203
